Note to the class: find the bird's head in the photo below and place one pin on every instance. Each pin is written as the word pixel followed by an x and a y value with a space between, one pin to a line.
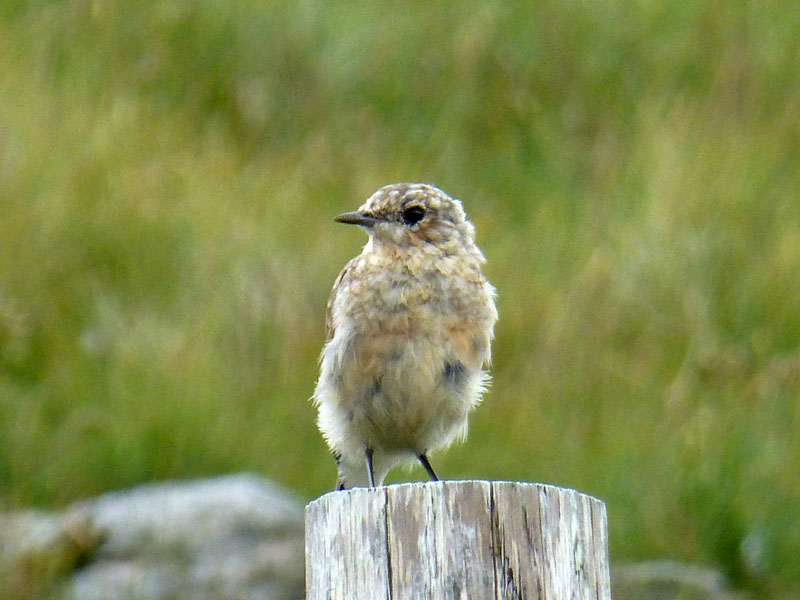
pixel 413 214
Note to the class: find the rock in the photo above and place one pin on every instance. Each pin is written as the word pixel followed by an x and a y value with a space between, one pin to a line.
pixel 234 537
pixel 228 538
pixel 669 580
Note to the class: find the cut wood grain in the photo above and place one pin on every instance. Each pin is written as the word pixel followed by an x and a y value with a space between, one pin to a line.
pixel 457 539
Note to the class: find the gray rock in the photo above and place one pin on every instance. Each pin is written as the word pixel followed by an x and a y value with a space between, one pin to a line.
pixel 669 580
pixel 234 537
pixel 229 538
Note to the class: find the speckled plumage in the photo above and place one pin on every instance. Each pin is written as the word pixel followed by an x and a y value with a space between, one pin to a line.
pixel 410 323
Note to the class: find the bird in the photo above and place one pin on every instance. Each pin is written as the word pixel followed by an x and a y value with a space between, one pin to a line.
pixel 410 322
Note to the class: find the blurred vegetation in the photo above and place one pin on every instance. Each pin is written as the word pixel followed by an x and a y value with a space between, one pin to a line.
pixel 168 176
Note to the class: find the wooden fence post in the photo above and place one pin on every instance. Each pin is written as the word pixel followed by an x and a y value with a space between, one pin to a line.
pixel 457 540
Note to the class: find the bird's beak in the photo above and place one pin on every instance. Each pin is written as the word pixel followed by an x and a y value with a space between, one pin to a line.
pixel 357 218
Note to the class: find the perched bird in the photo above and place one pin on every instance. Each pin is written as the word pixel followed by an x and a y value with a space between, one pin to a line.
pixel 410 323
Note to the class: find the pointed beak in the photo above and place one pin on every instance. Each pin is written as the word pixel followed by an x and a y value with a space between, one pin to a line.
pixel 357 218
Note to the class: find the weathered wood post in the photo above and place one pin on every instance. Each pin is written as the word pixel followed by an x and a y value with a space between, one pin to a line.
pixel 457 540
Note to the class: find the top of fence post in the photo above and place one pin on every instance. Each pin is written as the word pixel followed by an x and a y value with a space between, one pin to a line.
pixel 457 539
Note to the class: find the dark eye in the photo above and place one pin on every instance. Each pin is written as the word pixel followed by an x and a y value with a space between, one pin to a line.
pixel 413 215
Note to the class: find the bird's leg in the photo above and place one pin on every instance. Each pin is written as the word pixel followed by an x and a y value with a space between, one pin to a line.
pixel 340 483
pixel 370 471
pixel 427 464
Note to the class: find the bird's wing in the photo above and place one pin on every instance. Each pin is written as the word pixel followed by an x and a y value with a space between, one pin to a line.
pixel 346 273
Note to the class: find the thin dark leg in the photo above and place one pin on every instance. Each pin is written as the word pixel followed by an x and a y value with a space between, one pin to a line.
pixel 370 471
pixel 340 484
pixel 427 464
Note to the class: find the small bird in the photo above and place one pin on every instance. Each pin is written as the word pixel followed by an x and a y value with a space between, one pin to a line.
pixel 410 323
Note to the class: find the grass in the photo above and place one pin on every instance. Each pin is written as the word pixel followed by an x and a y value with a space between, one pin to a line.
pixel 168 176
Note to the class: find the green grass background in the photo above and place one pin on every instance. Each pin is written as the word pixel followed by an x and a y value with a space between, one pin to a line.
pixel 168 176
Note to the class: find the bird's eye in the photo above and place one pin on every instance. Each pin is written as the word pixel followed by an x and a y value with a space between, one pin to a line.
pixel 413 215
